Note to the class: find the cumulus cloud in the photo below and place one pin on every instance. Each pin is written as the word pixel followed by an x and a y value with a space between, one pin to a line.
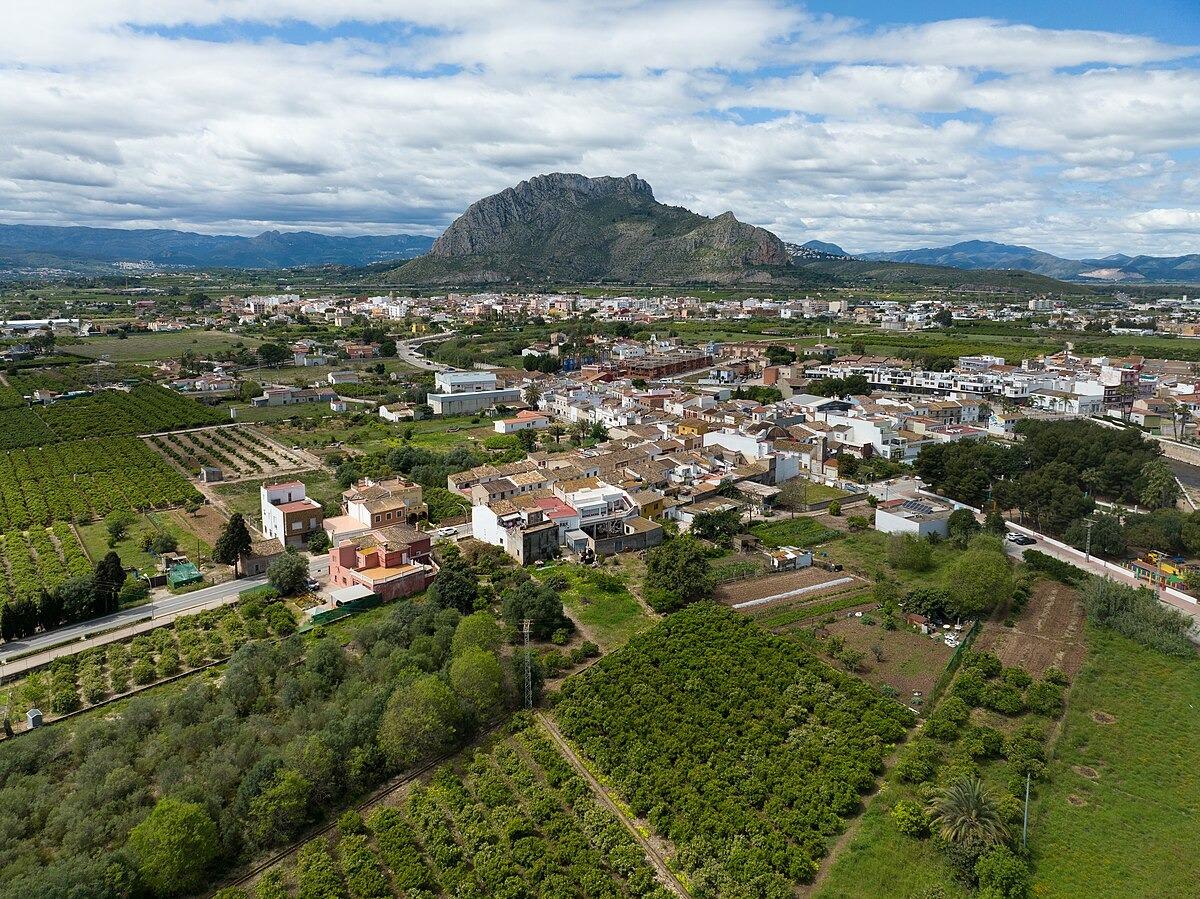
pixel 237 115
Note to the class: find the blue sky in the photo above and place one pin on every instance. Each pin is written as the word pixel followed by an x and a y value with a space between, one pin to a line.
pixel 1073 127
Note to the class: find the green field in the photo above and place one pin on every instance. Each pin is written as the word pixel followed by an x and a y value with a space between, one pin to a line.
pixel 610 616
pixel 866 553
pixel 1135 834
pixel 149 347
pixel 799 531
pixel 95 540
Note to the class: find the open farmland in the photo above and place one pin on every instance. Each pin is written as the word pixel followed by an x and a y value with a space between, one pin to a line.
pixel 84 479
pixel 1118 818
pixel 155 347
pixel 1048 632
pixel 517 822
pixel 142 410
pixel 904 659
pixel 788 587
pixel 239 452
pixel 40 558
pixel 737 746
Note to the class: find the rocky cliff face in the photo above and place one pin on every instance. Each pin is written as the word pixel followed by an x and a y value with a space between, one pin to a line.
pixel 566 227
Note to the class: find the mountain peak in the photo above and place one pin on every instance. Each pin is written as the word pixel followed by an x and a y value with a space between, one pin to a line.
pixel 566 226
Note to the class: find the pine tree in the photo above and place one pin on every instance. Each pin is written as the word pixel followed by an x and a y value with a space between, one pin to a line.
pixel 233 543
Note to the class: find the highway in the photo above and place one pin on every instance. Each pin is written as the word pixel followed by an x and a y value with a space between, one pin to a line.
pixel 58 642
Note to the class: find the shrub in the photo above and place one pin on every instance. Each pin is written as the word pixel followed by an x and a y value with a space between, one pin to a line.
pixel 1045 698
pixel 1054 675
pixel 984 662
pixel 911 819
pixel 1017 677
pixel 944 724
pixel 1002 875
pixel 1003 698
pixel 970 686
pixel 1061 571
pixel 919 762
pixel 983 742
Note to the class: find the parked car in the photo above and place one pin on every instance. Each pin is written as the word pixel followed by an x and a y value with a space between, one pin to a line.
pixel 1019 539
pixel 445 532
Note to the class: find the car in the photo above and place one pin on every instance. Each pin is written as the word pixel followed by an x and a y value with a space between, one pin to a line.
pixel 446 532
pixel 312 584
pixel 1019 539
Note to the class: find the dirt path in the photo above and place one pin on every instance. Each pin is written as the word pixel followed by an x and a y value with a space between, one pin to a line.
pixel 666 875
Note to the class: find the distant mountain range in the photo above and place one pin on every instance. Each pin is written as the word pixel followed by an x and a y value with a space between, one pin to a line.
pixel 92 250
pixel 569 228
pixel 986 254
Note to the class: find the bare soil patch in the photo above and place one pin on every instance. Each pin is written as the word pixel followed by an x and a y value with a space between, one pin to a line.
pixel 1086 771
pixel 777 585
pixel 1076 800
pixel 1103 717
pixel 1048 633
pixel 911 662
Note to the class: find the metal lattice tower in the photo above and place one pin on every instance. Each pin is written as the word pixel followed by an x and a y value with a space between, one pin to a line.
pixel 525 628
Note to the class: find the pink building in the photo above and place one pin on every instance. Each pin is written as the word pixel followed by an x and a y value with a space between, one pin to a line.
pixel 390 562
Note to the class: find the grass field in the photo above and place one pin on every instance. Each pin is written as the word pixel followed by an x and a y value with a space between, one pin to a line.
pixel 865 553
pixel 150 347
pixel 799 531
pixel 1131 830
pixel 611 617
pixel 95 539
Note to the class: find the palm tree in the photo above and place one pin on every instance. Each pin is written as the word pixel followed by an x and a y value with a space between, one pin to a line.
pixel 556 431
pixel 966 811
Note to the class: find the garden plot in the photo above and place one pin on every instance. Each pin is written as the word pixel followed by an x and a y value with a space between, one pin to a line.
pixel 791 586
pixel 239 452
pixel 903 659
pixel 1047 633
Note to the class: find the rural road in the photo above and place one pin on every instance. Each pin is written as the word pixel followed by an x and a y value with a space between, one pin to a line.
pixel 71 638
pixel 1094 566
pixel 665 874
pixel 406 351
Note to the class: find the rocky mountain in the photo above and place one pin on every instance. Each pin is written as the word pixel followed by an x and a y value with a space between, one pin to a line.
pixel 570 228
pixel 100 248
pixel 986 254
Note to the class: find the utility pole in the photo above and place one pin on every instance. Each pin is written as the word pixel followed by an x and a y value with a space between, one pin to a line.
pixel 1025 825
pixel 1088 554
pixel 525 628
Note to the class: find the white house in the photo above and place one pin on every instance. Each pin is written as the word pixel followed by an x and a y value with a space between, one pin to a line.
pixel 288 515
pixel 919 517
pixel 525 420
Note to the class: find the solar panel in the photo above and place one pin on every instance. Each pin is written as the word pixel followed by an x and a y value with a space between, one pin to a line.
pixel 918 507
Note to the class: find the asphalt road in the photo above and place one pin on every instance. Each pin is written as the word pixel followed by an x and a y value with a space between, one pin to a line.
pixel 406 351
pixel 166 607
pixel 1093 566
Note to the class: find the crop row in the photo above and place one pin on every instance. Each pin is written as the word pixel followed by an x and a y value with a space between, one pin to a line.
pixel 519 823
pixel 85 479
pixel 73 682
pixel 736 744
pixel 107 413
pixel 40 559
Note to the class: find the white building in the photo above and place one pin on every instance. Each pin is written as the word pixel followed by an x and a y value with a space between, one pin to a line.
pixel 919 517
pixel 464 392
pixel 288 515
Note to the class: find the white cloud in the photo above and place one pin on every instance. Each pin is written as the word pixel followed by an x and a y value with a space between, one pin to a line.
pixel 1167 220
pixel 119 112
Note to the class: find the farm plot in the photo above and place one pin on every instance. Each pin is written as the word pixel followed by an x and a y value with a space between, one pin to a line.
pixel 903 659
pixel 737 746
pixel 518 822
pixel 791 586
pixel 73 682
pixel 238 451
pixel 85 479
pixel 108 413
pixel 40 558
pixel 1047 633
